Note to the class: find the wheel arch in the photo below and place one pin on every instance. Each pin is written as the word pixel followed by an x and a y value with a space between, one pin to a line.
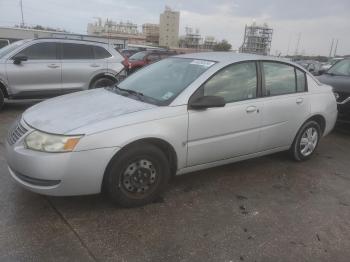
pixel 100 75
pixel 320 119
pixel 163 145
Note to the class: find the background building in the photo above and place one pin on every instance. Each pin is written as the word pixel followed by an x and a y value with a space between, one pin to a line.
pixel 192 39
pixel 113 29
pixel 151 33
pixel 169 28
pixel 257 39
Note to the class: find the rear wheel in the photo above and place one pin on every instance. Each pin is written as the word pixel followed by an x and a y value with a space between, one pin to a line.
pixel 306 141
pixel 137 176
pixel 2 97
pixel 102 82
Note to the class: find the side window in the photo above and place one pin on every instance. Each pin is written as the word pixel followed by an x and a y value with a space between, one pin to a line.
pixel 301 80
pixel 236 82
pixel 101 53
pixel 40 51
pixel 279 78
pixel 77 51
pixel 153 57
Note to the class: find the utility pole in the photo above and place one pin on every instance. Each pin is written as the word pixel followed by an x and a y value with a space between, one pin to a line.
pixel 21 5
pixel 330 51
pixel 336 47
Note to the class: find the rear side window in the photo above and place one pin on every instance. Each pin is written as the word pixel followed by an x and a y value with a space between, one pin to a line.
pixel 301 80
pixel 77 51
pixel 40 51
pixel 236 82
pixel 281 79
pixel 101 53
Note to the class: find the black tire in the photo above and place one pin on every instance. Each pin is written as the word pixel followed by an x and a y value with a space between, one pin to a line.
pixel 125 170
pixel 2 99
pixel 298 147
pixel 102 82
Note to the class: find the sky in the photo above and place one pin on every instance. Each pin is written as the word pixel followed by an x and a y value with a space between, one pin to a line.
pixel 317 22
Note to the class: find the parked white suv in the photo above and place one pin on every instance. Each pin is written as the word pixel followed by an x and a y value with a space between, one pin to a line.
pixel 42 68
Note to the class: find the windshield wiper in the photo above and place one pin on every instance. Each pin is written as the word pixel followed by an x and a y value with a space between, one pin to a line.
pixel 139 95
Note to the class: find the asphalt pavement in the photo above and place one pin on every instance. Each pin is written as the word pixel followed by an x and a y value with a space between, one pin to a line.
pixel 266 209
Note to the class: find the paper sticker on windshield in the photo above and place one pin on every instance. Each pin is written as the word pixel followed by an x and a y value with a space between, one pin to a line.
pixel 167 95
pixel 202 63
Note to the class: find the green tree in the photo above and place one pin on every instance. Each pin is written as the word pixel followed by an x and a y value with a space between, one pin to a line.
pixel 222 46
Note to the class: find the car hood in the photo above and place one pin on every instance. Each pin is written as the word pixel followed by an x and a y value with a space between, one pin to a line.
pixel 339 83
pixel 63 114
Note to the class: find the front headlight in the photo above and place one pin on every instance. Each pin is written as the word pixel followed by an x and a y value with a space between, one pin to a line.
pixel 50 143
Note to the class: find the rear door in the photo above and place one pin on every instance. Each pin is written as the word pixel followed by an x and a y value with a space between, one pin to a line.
pixel 286 104
pixel 233 130
pixel 79 66
pixel 40 75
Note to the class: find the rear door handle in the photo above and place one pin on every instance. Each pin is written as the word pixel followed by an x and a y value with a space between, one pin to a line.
pixel 251 109
pixel 299 100
pixel 95 65
pixel 53 66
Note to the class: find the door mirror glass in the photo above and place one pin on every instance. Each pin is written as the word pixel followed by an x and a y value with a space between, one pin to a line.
pixel 208 102
pixel 19 59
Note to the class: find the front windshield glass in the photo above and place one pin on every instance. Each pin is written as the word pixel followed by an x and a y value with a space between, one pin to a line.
pixel 164 80
pixel 138 56
pixel 8 49
pixel 341 68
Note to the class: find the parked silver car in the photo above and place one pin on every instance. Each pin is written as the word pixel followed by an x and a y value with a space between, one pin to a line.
pixel 179 115
pixel 42 68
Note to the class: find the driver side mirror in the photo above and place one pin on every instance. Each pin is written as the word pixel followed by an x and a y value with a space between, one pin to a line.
pixel 321 72
pixel 205 102
pixel 19 59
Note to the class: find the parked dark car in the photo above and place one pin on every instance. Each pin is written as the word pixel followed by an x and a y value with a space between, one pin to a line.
pixel 141 59
pixel 312 66
pixel 338 76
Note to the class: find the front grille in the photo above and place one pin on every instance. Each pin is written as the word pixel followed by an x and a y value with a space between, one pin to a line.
pixel 15 133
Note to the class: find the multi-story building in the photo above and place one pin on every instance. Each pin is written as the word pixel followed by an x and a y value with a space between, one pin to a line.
pixel 169 28
pixel 257 39
pixel 151 32
pixel 114 29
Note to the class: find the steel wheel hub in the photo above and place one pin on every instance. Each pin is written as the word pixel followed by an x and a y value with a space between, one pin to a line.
pixel 139 176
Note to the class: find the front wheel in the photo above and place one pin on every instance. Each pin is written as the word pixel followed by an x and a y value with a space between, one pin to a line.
pixel 306 141
pixel 137 176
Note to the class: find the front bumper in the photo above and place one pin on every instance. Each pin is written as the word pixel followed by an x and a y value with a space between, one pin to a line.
pixel 58 174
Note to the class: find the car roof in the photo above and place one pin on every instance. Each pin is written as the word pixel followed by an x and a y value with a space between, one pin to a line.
pixel 66 40
pixel 227 57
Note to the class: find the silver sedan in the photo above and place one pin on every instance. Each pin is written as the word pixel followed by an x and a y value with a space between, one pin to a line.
pixel 179 115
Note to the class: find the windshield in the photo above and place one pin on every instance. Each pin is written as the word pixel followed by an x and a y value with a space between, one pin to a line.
pixel 8 49
pixel 138 56
pixel 164 80
pixel 341 68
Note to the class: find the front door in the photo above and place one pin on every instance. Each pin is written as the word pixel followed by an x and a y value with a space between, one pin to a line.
pixel 233 130
pixel 40 75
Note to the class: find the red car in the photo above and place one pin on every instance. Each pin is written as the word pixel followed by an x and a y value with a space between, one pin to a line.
pixel 144 58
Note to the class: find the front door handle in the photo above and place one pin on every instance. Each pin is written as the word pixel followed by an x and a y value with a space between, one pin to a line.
pixel 53 66
pixel 299 100
pixel 251 109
